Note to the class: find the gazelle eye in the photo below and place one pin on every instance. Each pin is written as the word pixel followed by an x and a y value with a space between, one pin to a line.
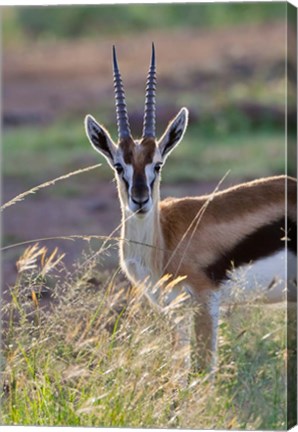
pixel 119 168
pixel 157 167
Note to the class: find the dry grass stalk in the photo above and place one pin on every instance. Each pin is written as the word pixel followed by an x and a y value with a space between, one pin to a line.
pixel 46 184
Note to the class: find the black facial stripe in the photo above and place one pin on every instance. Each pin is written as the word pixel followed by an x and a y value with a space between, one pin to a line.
pixel 126 183
pixel 139 180
pixel 152 183
pixel 261 243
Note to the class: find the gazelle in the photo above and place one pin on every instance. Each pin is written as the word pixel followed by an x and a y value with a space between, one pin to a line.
pixel 203 238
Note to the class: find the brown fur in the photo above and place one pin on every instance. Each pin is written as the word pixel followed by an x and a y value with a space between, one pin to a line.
pixel 127 145
pixel 138 155
pixel 219 225
pixel 191 243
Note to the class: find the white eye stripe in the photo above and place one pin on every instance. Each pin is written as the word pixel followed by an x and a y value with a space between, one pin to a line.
pixel 128 169
pixel 128 174
pixel 150 173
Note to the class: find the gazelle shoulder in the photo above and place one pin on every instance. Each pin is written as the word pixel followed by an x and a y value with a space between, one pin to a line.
pixel 250 197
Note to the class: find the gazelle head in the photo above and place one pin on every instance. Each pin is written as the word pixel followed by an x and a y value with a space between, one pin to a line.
pixel 137 163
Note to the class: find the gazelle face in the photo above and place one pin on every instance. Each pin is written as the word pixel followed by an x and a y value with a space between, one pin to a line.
pixel 137 169
pixel 137 164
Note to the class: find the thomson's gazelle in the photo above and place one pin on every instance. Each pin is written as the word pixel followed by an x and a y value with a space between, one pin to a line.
pixel 207 239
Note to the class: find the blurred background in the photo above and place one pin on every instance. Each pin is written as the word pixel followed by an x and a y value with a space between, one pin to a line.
pixel 225 62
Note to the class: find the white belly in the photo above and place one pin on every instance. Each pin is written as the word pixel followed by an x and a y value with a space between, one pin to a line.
pixel 269 280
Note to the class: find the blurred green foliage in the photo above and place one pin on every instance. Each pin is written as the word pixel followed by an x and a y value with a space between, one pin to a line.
pixel 222 133
pixel 203 155
pixel 78 21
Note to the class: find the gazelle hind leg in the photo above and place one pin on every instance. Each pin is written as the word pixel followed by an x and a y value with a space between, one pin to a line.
pixel 206 316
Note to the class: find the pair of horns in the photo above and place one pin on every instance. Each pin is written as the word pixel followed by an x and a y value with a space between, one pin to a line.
pixel 121 110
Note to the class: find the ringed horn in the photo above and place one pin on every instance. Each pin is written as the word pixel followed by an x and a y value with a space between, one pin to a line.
pixel 149 114
pixel 121 110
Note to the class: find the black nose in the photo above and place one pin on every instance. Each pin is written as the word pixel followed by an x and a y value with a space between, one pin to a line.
pixel 140 201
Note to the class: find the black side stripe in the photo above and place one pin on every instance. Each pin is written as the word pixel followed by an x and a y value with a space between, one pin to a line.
pixel 261 243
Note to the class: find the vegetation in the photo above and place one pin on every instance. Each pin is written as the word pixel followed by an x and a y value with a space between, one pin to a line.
pixel 78 21
pixel 102 357
pixel 205 154
pixel 221 134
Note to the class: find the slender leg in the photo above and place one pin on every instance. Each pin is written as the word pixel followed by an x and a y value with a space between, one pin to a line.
pixel 206 317
pixel 182 342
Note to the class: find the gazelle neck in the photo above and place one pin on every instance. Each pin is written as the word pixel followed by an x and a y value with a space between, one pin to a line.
pixel 141 245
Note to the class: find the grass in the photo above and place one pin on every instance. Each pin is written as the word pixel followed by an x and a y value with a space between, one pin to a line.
pixel 23 195
pixel 202 155
pixel 103 357
pixel 84 21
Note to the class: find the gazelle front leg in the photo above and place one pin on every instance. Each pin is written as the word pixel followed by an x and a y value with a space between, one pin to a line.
pixel 182 341
pixel 206 316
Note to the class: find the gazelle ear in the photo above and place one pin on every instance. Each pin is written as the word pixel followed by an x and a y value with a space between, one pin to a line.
pixel 174 133
pixel 100 139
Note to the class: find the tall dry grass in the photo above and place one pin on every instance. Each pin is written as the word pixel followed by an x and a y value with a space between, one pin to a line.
pixel 99 355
